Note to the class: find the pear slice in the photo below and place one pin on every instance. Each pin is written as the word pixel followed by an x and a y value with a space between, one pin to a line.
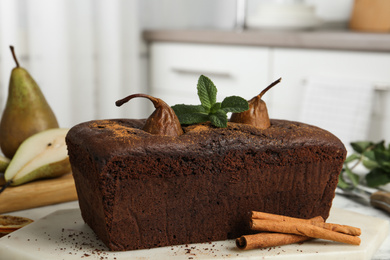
pixel 42 155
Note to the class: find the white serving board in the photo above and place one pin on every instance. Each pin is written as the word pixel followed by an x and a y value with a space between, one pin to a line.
pixel 64 235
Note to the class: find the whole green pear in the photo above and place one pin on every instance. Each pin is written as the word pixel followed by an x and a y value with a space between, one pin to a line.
pixel 26 112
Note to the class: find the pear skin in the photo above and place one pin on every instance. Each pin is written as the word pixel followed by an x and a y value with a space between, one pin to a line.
pixel 46 171
pixel 163 121
pixel 4 162
pixel 257 114
pixel 26 112
pixel 2 179
pixel 42 155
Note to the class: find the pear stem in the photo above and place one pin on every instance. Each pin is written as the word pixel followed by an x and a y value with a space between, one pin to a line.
pixel 5 186
pixel 155 101
pixel 14 55
pixel 270 86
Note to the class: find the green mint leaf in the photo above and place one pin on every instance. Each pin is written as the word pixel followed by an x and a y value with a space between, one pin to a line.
pixel 352 176
pixel 234 104
pixel 207 92
pixel 370 164
pixel 352 158
pixel 369 154
pixel 219 119
pixel 342 183
pixel 181 109
pixel 379 146
pixel 215 108
pixel 190 114
pixel 377 177
pixel 209 109
pixel 195 118
pixel 382 157
pixel 373 156
pixel 360 147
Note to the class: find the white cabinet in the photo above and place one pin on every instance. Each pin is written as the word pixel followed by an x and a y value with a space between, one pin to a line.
pixel 297 66
pixel 175 69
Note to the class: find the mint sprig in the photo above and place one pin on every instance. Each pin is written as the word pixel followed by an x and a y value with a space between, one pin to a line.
pixel 209 109
pixel 375 157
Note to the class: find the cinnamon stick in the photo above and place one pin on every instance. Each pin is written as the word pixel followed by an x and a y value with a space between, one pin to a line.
pixel 262 240
pixel 349 230
pixel 303 229
pixel 354 231
pixel 276 217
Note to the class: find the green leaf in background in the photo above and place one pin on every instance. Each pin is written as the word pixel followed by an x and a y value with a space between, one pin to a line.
pixel 380 146
pixel 370 164
pixel 375 157
pixel 207 91
pixel 219 119
pixel 234 104
pixel 342 184
pixel 369 154
pixel 360 147
pixel 377 177
pixel 352 176
pixel 382 157
pixel 352 158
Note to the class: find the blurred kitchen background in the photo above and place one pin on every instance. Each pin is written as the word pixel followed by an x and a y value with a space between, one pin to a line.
pixel 333 56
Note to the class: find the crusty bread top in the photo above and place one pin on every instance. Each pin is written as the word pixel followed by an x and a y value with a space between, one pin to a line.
pixel 115 137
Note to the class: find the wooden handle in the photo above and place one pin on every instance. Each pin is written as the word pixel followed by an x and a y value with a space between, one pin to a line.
pixel 381 199
pixel 38 193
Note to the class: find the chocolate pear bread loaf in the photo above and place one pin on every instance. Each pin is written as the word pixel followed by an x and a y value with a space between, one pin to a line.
pixel 139 190
pixel 187 175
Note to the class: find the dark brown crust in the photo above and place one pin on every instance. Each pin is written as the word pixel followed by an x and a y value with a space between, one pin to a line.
pixel 138 190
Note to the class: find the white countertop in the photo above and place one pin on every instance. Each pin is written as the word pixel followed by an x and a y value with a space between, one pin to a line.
pixel 339 202
pixel 309 39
